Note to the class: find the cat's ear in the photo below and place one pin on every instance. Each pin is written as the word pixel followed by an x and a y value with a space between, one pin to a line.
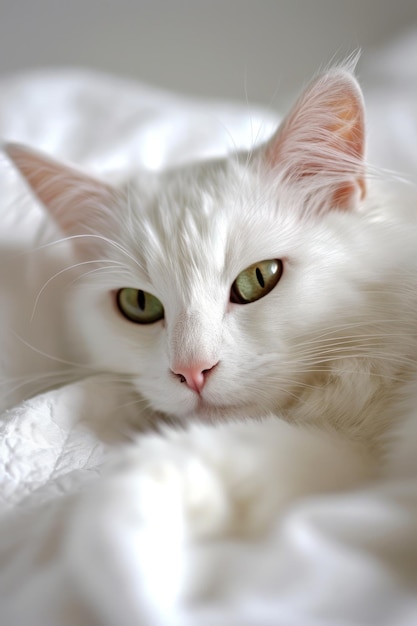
pixel 321 143
pixel 80 204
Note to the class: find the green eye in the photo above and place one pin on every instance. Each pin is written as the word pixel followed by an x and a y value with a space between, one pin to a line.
pixel 256 281
pixel 139 306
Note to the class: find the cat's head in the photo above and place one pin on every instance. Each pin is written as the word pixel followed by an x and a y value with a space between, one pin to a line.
pixel 220 286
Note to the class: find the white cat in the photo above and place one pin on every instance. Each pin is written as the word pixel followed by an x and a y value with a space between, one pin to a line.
pixel 266 302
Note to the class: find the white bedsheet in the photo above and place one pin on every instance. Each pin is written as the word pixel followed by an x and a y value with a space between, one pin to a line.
pixel 336 561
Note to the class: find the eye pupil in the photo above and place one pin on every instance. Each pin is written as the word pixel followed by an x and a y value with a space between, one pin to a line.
pixel 260 277
pixel 141 300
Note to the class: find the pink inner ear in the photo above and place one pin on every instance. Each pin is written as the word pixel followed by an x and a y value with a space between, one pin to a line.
pixel 75 200
pixel 324 137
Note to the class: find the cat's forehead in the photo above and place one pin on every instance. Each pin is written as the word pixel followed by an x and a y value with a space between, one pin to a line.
pixel 206 203
pixel 184 228
pixel 200 226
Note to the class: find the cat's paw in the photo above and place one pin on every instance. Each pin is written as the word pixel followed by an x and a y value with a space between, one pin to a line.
pixel 233 478
pixel 209 481
pixel 180 483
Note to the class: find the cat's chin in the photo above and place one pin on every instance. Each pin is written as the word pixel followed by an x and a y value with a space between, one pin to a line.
pixel 188 405
pixel 203 410
pixel 210 412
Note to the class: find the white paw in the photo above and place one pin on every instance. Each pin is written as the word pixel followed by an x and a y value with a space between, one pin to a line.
pixel 178 486
pixel 211 481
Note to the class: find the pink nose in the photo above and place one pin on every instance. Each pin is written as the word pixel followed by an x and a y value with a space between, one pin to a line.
pixel 195 375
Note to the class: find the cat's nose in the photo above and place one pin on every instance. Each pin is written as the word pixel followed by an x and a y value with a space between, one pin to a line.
pixel 195 375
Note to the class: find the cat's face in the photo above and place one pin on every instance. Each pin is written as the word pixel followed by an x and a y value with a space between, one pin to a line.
pixel 186 245
pixel 212 286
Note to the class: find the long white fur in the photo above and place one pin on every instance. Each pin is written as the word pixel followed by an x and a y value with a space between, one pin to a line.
pixel 313 381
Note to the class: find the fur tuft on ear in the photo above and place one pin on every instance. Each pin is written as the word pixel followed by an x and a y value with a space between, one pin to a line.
pixel 80 204
pixel 321 143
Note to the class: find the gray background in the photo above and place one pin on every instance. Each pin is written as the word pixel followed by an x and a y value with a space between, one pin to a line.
pixel 257 50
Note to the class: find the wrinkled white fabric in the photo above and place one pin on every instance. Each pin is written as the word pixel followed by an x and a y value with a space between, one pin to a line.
pixel 337 560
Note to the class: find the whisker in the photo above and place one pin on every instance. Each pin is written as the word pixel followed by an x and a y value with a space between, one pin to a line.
pixel 71 238
pixel 49 356
pixel 107 269
pixel 59 273
pixel 45 383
